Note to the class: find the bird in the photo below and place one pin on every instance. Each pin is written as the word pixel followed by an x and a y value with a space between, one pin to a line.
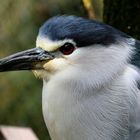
pixel 91 79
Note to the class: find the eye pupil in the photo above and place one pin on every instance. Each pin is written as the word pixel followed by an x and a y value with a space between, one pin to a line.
pixel 67 48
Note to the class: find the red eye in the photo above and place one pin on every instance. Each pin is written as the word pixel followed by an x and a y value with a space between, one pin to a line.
pixel 67 48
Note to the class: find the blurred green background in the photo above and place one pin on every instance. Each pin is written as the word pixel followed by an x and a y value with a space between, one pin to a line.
pixel 20 92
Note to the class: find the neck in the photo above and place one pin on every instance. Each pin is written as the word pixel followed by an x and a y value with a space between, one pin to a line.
pixel 101 112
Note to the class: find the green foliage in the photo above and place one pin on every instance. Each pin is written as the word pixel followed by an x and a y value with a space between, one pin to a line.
pixel 20 96
pixel 20 102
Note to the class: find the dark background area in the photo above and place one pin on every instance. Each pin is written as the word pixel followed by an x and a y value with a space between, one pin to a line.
pixel 124 15
pixel 20 92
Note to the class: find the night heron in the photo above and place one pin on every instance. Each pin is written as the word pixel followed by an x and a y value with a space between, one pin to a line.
pixel 91 79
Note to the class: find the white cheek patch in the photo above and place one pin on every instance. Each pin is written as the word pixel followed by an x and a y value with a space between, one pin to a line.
pixel 49 45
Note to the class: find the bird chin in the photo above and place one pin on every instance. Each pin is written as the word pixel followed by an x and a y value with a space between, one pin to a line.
pixel 42 74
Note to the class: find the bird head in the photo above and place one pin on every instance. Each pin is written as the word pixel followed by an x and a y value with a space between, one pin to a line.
pixel 74 48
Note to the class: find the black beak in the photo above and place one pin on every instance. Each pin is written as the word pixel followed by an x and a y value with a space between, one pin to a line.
pixel 31 59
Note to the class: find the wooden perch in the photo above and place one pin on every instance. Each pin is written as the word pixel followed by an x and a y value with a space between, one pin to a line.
pixel 17 133
pixel 89 8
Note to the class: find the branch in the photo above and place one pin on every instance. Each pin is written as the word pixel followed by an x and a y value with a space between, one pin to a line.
pixel 89 8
